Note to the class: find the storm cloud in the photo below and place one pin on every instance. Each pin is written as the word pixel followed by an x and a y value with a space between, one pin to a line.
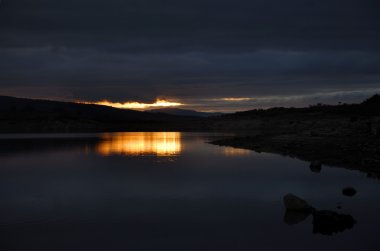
pixel 194 51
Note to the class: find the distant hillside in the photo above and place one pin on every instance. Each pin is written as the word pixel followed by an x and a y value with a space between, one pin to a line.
pixel 29 115
pixel 373 102
pixel 345 135
pixel 185 112
pixel 11 106
pixel 20 114
pixel 370 107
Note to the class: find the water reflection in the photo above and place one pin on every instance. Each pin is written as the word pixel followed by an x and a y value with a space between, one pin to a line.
pixel 39 144
pixel 62 191
pixel 231 152
pixel 141 143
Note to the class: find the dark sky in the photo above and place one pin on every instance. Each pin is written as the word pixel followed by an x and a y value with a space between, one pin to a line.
pixel 275 52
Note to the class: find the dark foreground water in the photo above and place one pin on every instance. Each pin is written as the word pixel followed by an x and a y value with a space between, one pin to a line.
pixel 171 191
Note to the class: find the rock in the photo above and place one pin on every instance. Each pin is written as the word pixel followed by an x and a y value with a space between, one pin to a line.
pixel 325 222
pixel 349 191
pixel 294 203
pixel 316 166
pixel 292 217
pixel 328 222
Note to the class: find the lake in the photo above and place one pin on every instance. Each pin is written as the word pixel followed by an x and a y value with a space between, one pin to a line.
pixel 171 191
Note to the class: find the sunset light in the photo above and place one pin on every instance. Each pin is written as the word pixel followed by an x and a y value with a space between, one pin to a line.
pixel 190 125
pixel 141 143
pixel 135 105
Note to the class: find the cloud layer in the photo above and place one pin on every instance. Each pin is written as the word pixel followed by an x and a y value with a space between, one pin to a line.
pixel 140 50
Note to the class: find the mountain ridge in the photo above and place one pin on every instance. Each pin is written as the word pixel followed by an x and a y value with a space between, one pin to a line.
pixel 184 112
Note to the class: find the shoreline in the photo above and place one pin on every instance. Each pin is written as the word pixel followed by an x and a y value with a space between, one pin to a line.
pixel 352 153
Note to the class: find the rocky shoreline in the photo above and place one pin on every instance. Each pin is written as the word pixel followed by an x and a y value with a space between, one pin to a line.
pixel 355 153
pixel 343 136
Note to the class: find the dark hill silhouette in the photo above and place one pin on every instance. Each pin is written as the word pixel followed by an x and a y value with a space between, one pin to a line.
pixel 370 107
pixel 342 135
pixel 21 114
pixel 30 115
pixel 14 106
pixel 372 102
pixel 185 112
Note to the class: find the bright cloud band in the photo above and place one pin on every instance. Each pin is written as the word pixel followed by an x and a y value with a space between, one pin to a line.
pixel 134 105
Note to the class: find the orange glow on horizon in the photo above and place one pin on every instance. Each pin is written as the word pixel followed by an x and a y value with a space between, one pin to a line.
pixel 141 143
pixel 134 105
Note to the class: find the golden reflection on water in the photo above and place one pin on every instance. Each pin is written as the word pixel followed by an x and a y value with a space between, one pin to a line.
pixel 141 143
pixel 230 152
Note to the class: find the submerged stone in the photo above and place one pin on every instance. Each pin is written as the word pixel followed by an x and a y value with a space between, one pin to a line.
pixel 349 191
pixel 294 203
pixel 292 217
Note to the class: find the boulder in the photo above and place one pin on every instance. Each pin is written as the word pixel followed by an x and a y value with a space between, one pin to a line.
pixel 327 222
pixel 294 203
pixel 292 217
pixel 316 166
pixel 349 191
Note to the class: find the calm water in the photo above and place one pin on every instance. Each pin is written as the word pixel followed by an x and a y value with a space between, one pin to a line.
pixel 169 191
